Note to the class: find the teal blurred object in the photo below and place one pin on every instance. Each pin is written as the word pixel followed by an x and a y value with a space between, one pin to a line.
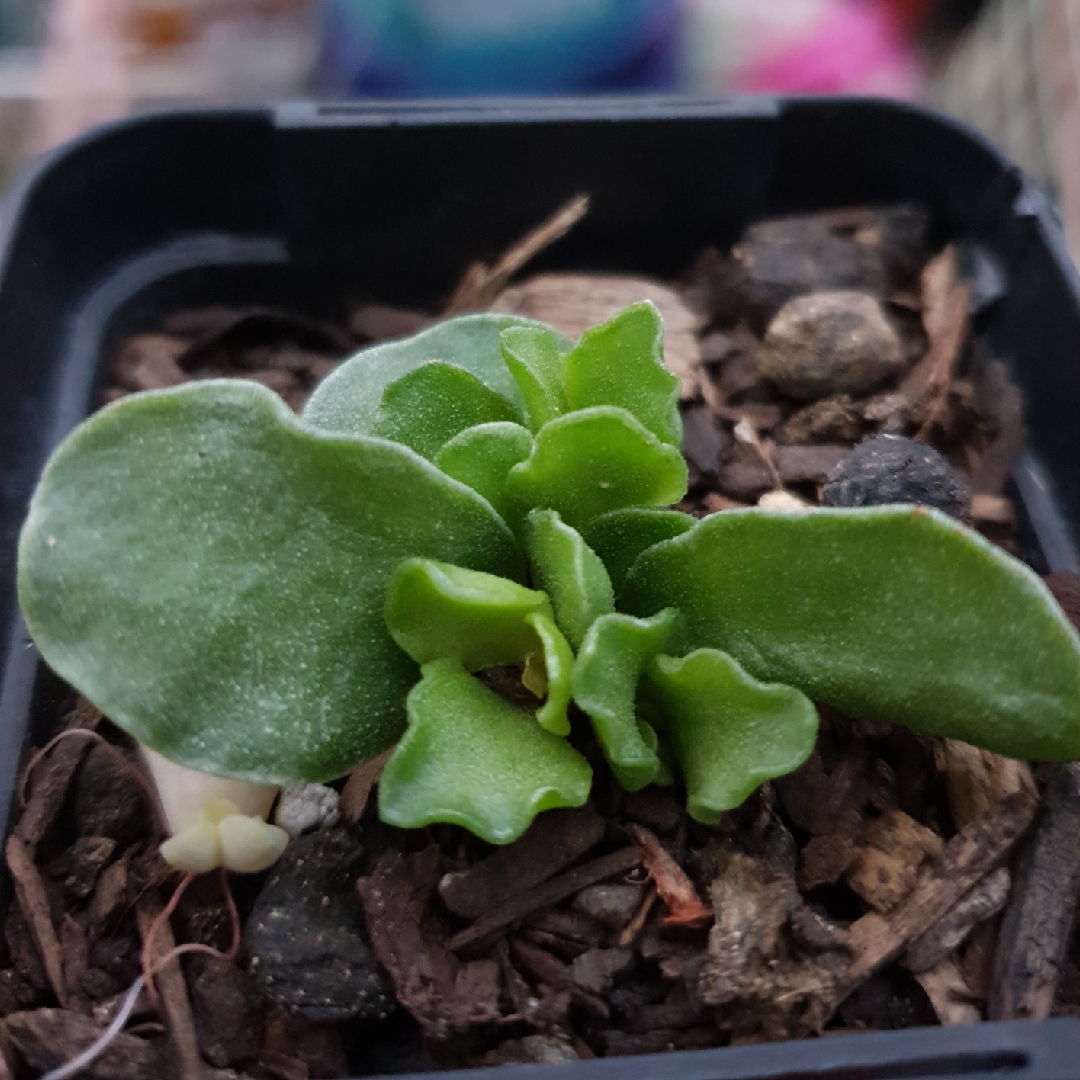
pixel 424 48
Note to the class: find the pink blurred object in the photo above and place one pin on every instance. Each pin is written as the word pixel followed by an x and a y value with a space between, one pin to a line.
pixel 857 48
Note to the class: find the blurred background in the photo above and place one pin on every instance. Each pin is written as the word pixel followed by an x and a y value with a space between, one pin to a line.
pixel 1008 66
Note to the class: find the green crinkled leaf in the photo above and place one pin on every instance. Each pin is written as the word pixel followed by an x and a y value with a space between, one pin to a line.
pixel 347 399
pixel 210 572
pixel 483 456
pixel 432 403
pixel 621 362
pixel 436 611
pixel 891 612
pixel 471 758
pixel 534 356
pixel 586 463
pixel 622 535
pixel 558 660
pixel 569 572
pixel 730 733
pixel 609 664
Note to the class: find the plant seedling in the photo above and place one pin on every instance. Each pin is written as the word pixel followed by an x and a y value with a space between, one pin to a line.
pixel 463 544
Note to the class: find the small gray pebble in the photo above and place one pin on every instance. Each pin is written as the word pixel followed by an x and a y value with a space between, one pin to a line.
pixel 830 343
pixel 892 469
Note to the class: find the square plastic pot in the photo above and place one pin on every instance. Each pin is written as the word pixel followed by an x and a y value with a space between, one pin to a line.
pixel 308 205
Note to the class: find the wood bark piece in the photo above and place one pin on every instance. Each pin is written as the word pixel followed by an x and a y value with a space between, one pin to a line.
pixel 551 844
pixel 173 990
pixel 948 993
pixel 48 1038
pixel 34 902
pixel 977 780
pixel 1035 930
pixel 674 887
pixel 52 779
pixel 357 789
pixel 490 926
pixel 966 859
pixel 481 284
pixel 952 929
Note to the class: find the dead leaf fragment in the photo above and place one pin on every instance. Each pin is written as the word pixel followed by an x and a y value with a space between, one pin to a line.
pixel 673 886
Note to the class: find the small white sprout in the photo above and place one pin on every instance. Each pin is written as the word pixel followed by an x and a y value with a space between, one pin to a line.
pixel 215 821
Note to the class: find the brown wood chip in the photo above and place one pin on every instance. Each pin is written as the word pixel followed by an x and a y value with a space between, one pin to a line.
pixel 51 779
pixel 357 789
pixel 34 902
pixel 481 284
pixel 48 1038
pixel 1035 930
pixel 966 859
pixel 184 1042
pixel 551 844
pixel 948 993
pixel 685 907
pixel 490 926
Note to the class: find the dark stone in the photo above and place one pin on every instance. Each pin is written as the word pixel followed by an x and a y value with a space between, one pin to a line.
pixel 109 800
pixel 701 440
pixel 655 808
pixel 891 469
pixel 612 905
pixel 226 1010
pixel 309 952
pixel 596 969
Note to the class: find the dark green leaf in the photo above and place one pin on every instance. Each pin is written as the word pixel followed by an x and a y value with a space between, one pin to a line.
pixel 896 613
pixel 434 402
pixel 211 574
pixel 620 536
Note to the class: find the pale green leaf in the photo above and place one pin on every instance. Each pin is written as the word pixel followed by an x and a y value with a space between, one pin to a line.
pixel 621 362
pixel 436 611
pixel 620 536
pixel 609 664
pixel 483 456
pixel 589 462
pixel 347 399
pixel 210 572
pixel 434 402
pixel 535 358
pixel 569 572
pixel 558 660
pixel 729 732
pixel 895 613
pixel 472 759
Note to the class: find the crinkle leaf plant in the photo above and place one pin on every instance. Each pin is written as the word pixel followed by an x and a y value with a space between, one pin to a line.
pixel 274 599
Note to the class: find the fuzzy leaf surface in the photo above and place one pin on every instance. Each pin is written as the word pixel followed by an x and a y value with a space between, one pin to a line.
pixel 586 463
pixel 483 456
pixel 211 573
pixel 348 398
pixel 894 613
pixel 535 359
pixel 431 404
pixel 471 758
pixel 609 664
pixel 621 362
pixel 620 536
pixel 729 732
pixel 570 572
pixel 558 660
pixel 436 611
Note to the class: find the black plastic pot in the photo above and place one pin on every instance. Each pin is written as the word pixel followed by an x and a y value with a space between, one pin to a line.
pixel 307 204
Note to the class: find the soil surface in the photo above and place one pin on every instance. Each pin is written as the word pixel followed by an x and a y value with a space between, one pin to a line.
pixel 892 881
